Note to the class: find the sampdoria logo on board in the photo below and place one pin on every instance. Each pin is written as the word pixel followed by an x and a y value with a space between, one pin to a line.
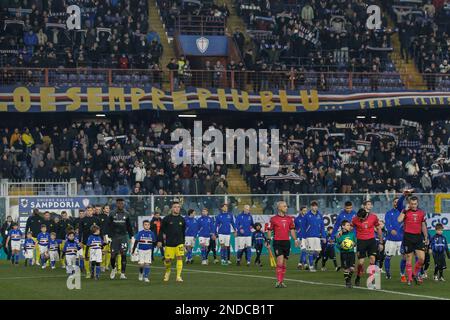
pixel 202 44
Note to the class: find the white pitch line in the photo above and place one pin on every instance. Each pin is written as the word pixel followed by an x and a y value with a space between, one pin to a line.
pixel 260 277
pixel 315 283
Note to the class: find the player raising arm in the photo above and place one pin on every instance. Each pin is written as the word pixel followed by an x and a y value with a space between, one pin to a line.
pixel 281 225
pixel 394 238
pixel 415 237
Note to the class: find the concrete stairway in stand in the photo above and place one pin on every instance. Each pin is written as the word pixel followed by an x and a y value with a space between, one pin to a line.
pixel 409 73
pixel 237 185
pixel 156 23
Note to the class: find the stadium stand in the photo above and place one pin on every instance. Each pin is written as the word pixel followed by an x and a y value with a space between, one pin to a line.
pixel 423 30
pixel 321 157
pixel 115 34
pixel 294 45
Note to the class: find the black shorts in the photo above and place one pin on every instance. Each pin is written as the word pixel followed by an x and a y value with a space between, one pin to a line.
pixel 413 242
pixel 282 248
pixel 119 244
pixel 347 260
pixel 366 248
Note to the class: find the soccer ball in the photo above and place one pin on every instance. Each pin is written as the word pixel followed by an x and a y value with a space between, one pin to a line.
pixel 347 244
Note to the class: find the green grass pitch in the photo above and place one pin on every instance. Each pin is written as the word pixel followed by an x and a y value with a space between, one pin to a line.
pixel 209 282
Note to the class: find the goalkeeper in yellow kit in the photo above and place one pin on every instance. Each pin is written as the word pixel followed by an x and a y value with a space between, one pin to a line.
pixel 172 233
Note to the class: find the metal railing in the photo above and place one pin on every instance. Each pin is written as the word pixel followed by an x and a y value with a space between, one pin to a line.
pixel 221 78
pixel 201 25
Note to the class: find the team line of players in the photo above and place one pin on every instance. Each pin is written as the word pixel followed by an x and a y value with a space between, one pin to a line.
pixel 403 233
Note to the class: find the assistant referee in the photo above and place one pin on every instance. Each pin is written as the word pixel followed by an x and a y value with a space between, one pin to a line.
pixel 172 233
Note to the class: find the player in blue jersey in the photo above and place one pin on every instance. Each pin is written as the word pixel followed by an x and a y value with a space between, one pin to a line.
pixel 313 233
pixel 70 252
pixel 244 224
pixel 144 241
pixel 439 247
pixel 190 235
pixel 298 229
pixel 14 240
pixel 394 238
pixel 224 226
pixel 258 241
pixel 28 249
pixel 43 239
pixel 94 252
pixel 345 214
pixel 53 249
pixel 206 232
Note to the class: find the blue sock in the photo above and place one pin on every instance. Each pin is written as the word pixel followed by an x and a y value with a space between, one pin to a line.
pixel 17 258
pixel 223 253
pixel 52 263
pixel 203 250
pixel 82 264
pixel 239 255
pixel 311 259
pixel 387 264
pixel 188 254
pixel 146 271
pixel 97 271
pixel 42 260
pixel 303 257
pixel 402 266
pixel 249 254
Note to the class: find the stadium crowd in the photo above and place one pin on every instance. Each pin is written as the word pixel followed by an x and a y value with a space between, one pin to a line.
pixel 114 33
pixel 315 35
pixel 318 157
pixel 424 36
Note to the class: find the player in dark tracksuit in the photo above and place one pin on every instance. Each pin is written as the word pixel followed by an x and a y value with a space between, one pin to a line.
pixel 439 247
pixel 119 230
pixel 381 256
pixel 258 240
pixel 155 227
pixel 328 250
pixel 85 226
pixel 213 246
